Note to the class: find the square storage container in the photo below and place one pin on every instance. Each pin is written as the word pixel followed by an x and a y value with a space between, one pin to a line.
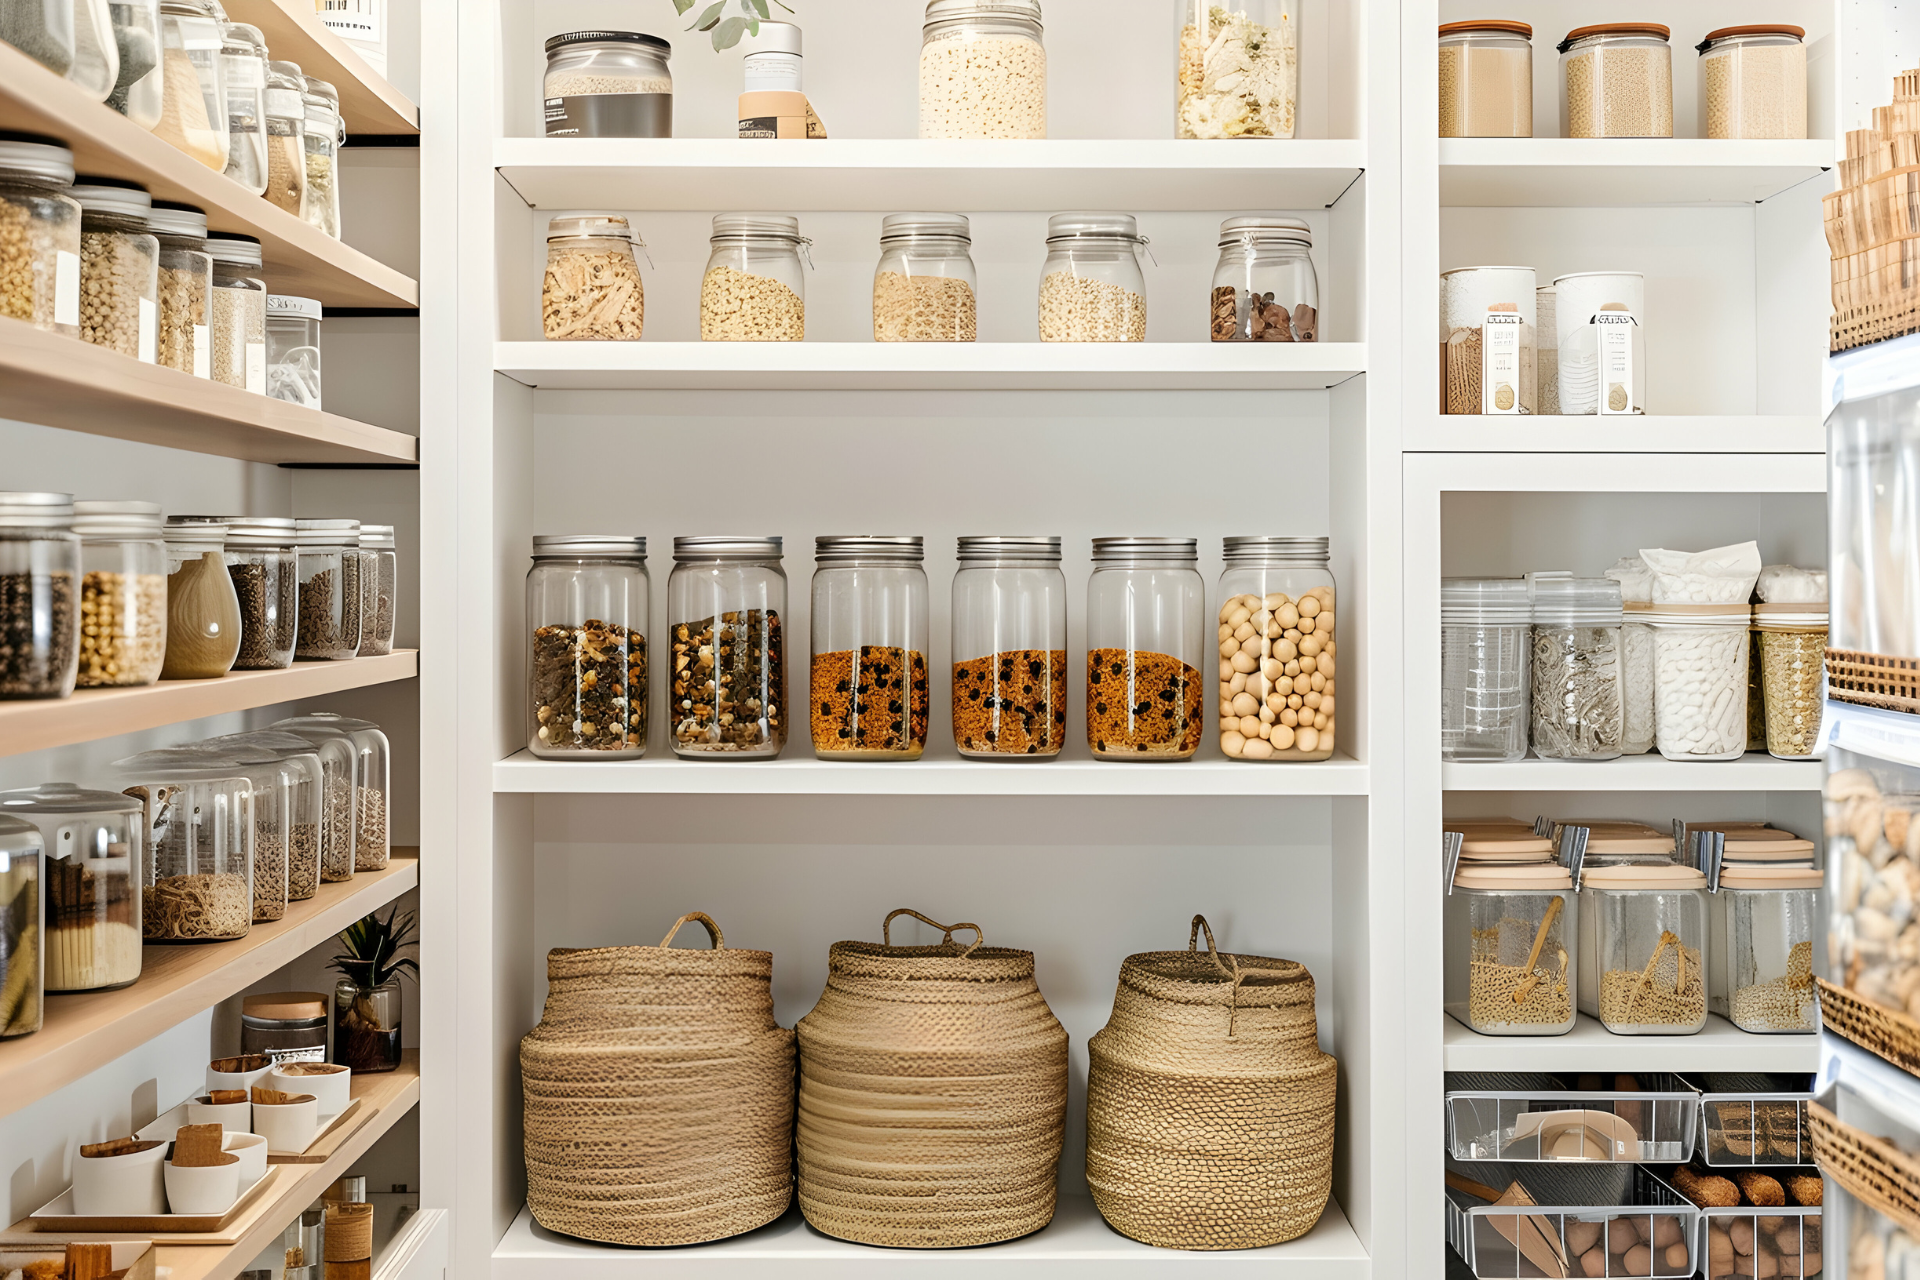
pixel 1511 948
pixel 1643 941
pixel 1532 1118
pixel 1608 1214
pixel 1763 925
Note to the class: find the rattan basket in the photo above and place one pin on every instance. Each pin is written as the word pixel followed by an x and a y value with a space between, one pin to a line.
pixel 1872 1170
pixel 1886 1033
pixel 1874 679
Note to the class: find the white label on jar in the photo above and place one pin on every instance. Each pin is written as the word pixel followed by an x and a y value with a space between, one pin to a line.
pixel 257 367
pixel 202 352
pixel 1500 363
pixel 285 104
pixel 1615 330
pixel 149 332
pixel 354 19
pixel 279 1056
pixel 66 288
pixel 773 73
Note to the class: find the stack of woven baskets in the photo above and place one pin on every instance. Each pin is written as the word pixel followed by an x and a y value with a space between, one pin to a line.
pixel 1873 225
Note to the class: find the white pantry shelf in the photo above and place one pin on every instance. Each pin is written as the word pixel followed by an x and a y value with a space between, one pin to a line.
pixel 1611 172
pixel 1647 433
pixel 1720 1046
pixel 1755 771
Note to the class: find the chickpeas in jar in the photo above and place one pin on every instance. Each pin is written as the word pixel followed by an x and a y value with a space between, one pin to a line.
pixel 119 272
pixel 39 235
pixel 1277 650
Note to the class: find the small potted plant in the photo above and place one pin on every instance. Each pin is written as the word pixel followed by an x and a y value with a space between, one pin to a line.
pixel 366 1000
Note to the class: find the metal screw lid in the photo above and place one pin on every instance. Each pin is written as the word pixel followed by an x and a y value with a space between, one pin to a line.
pixel 566 38
pixel 93 518
pixel 1125 551
pixel 26 510
pixel 990 548
pixel 112 196
pixel 234 250
pixel 840 548
pixel 584 546
pixel 36 156
pixel 169 218
pixel 726 547
pixel 1258 550
pixel 908 226
pixel 195 531
pixel 326 533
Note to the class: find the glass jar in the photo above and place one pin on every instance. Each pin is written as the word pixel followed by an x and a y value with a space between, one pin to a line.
pixel 1601 340
pixel 608 84
pixel 1621 844
pixel 592 288
pixel 1487 350
pixel 983 70
pixel 199 842
pixel 93 863
pixel 41 29
pixel 1264 288
pixel 329 571
pixel 1578 711
pixel 1756 699
pixel 138 93
pixel 259 558
pixel 286 1026
pixel 587 608
pixel 293 349
pixel 372 782
pixel 22 964
pixel 1009 649
pixel 271 809
pixel 1616 81
pixel 185 278
pixel 1092 288
pixel 1486 637
pixel 754 289
pixel 1643 932
pixel 1146 639
pixel 871 688
pixel 726 611
pixel 243 64
pixel 305 779
pixel 1238 74
pixel 1793 657
pixel 1753 82
pixel 193 115
pixel 322 134
pixel 924 286
pixel 1700 680
pixel 119 269
pixel 1277 650
pixel 1486 79
pixel 40 254
pixel 238 304
pixel 39 595
pixel 96 58
pixel 1510 947
pixel 123 593
pixel 286 120
pixel 203 613
pixel 339 761
pixel 1546 350
pixel 379 578
pixel 366 1026
pixel 1764 922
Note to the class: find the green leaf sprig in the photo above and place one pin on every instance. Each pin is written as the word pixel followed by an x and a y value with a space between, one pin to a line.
pixel 727 28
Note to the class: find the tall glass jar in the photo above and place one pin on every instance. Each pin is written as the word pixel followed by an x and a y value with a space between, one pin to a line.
pixel 1700 679
pixel 871 688
pixel 1616 81
pixel 983 70
pixel 592 289
pixel 1486 638
pixel 243 63
pixel 1146 639
pixel 1238 73
pixel 93 842
pixel 293 349
pixel 1511 943
pixel 1277 682
pixel 199 842
pixel 1009 649
pixel 339 779
pixel 1486 79
pixel 1764 923
pixel 123 593
pixel 1643 937
pixel 96 57
pixel 1753 82
pixel 754 289
pixel 22 966
pixel 608 84
pixel 41 29
pixel 1264 288
pixel 1793 658
pixel 330 620
pixel 193 115
pixel 239 312
pixel 271 807
pixel 137 92
pixel 322 133
pixel 39 595
pixel 306 780
pixel 40 257
pixel 726 612
pixel 203 613
pixel 185 279
pixel 264 567
pixel 372 781
pixel 924 285
pixel 1489 326
pixel 1637 678
pixel 587 608
pixel 1578 713
pixel 379 576
pixel 119 269
pixel 286 117
pixel 1092 288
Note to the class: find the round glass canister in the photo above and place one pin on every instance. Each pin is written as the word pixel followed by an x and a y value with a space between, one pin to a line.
pixel 260 560
pixel 1264 286
pixel 726 611
pixel 587 607
pixel 592 288
pixel 871 689
pixel 379 573
pixel 1238 72
pixel 329 597
pixel 1146 639
pixel 286 1026
pixel 119 268
pixel 372 773
pixel 305 779
pixel 1753 82
pixel 185 279
pixel 924 285
pixel 1600 318
pixel 1700 679
pixel 339 777
pixel 243 63
pixel 96 57
pixel 123 593
pixel 983 70
pixel 1578 711
pixel 293 349
pixel 1486 638
pixel 41 29
pixel 1616 81
pixel 39 595
pixel 286 119
pixel 1764 923
pixel 137 91
pixel 22 906
pixel 40 259
pixel 608 84
pixel 754 289
pixel 203 612
pixel 1546 353
pixel 199 867
pixel 1793 656
pixel 322 135
pixel 193 112
pixel 93 875
pixel 1276 682
pixel 1092 288
pixel 238 304
pixel 1510 949
pixel 1009 649
pixel 1486 79
pixel 1479 376
pixel 271 806
pixel 1643 933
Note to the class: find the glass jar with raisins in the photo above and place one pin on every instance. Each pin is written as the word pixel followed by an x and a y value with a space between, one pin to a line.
pixel 587 657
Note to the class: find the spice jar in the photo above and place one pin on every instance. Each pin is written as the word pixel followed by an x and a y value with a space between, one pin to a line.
pixel 1009 649
pixel 286 120
pixel 199 862
pixel 1577 706
pixel 322 135
pixel 293 349
pixel 1264 288
pixel 185 279
pixel 924 286
pixel 1486 79
pixel 592 288
pixel 1602 359
pixel 1700 673
pixel 608 84
pixel 1753 82
pixel 1488 331
pixel 271 808
pixel 39 234
pixel 39 595
pixel 329 588
pixel 379 576
pixel 1091 288
pixel 21 913
pixel 754 290
pixel 372 781
pixel 123 593
pixel 1277 650
pixel 1764 921
pixel 41 29
pixel 96 58
pixel 1510 948
pixel 869 678
pixel 119 269
pixel 1793 655
pixel 1546 354
pixel 193 114
pixel 203 613
pixel 726 610
pixel 239 310
pixel 1146 639
pixel 287 1026
pixel 983 70
pixel 1637 677
pixel 1486 637
pixel 339 762
pixel 138 93
pixel 92 842
pixel 305 781
pixel 1643 932
pixel 1616 81
pixel 1238 71
pixel 587 607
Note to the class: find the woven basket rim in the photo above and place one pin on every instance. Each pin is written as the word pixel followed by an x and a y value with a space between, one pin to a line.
pixel 941 960
pixel 1198 971
pixel 698 955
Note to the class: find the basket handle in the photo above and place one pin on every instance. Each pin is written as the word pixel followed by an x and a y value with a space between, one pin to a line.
pixel 713 930
pixel 886 930
pixel 1193 943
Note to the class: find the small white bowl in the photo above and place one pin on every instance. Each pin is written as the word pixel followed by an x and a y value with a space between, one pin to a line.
pixel 329 1083
pixel 252 1150
pixel 287 1126
pixel 233 1117
pixel 217 1079
pixel 128 1186
pixel 205 1189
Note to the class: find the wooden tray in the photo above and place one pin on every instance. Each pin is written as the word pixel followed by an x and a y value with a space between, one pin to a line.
pixel 324 1143
pixel 58 1219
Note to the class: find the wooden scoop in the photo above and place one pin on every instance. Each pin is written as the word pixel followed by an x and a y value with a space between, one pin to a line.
pixel 1532 1234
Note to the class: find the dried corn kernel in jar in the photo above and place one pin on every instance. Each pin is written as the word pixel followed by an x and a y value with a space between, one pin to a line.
pixel 592 287
pixel 39 236
pixel 1793 656
pixel 983 70
pixel 1753 83
pixel 1092 288
pixel 1616 81
pixel 754 289
pixel 1009 648
pixel 870 686
pixel 1277 650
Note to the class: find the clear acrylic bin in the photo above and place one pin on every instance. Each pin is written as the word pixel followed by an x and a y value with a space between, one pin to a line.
pixel 1550 1241
pixel 1740 1129
pixel 1528 1123
pixel 1788 1238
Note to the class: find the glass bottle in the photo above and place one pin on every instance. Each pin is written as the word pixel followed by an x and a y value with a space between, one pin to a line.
pixel 39 595
pixel 1643 936
pixel 1277 650
pixel 1578 711
pixel 243 61
pixel 1265 288
pixel 1616 81
pixel 587 609
pixel 138 91
pixel 41 29
pixel 1092 288
pixel 983 70
pixel 379 575
pixel 372 773
pixel 870 686
pixel 754 289
pixel 329 571
pixel 1511 948
pixel 1146 639
pixel 1764 922
pixel 22 964
pixel 238 304
pixel 193 114
pixel 1486 638
pixel 96 55
pixel 119 269
pixel 185 272
pixel 199 842
pixel 726 613
pixel 1009 649
pixel 286 119
pixel 123 593
pixel 1486 79
pixel 304 778
pixel 1238 71
pixel 339 764
pixel 322 134
pixel 93 842
pixel 203 613
pixel 44 260
pixel 924 285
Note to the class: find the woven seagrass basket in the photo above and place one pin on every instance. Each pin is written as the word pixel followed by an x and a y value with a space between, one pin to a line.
pixel 933 1095
pixel 658 1094
pixel 1871 1169
pixel 1210 1107
pixel 1888 1033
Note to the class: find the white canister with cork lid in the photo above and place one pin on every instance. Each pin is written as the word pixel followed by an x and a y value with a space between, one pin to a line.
pixel 1602 357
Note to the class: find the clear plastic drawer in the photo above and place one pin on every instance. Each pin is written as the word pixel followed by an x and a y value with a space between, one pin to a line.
pixel 1540 1118
pixel 1650 1229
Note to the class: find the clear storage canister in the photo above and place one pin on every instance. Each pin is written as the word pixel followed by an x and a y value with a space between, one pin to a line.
pixel 372 781
pixel 96 57
pixel 40 247
pixel 199 843
pixel 1700 680
pixel 870 685
pixel 1092 288
pixel 924 285
pixel 203 611
pixel 1616 81
pixel 93 842
pixel 754 289
pixel 322 135
pixel 260 560
pixel 1546 352
pixel 39 595
pixel 1753 82
pixel 185 279
pixel 1637 677
pixel 238 304
pixel 305 778
pixel 119 268
pixel 1276 685
pixel 380 574
pixel 286 120
pixel 1643 936
pixel 1621 844
pixel 608 84
pixel 21 935
pixel 1146 641
pixel 339 764
pixel 1486 638
pixel 727 613
pixel 243 62
pixel 1793 656
pixel 1510 949
pixel 983 70
pixel 1600 322
pixel 1764 922
pixel 293 349
pixel 138 91
pixel 1264 286
pixel 587 609
pixel 41 29
pixel 329 625
pixel 271 806
pixel 592 288
pixel 1578 712
pixel 1489 328
pixel 123 593
pixel 1486 79
pixel 193 114
pixel 1009 649
pixel 1238 74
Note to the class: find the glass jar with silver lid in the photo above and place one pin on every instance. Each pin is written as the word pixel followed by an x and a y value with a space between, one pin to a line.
pixel 185 279
pixel 1265 288
pixel 39 595
pixel 238 313
pixel 1092 288
pixel 869 682
pixel 1277 650
pixel 755 289
pixel 379 573
pixel 123 592
pixel 1009 649
pixel 119 268
pixel 43 261
pixel 587 607
pixel 1146 641
pixel 924 287
pixel 726 616
pixel 608 84
pixel 264 567
pixel 329 551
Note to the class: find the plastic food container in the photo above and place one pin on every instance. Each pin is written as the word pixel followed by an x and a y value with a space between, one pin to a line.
pixel 271 806
pixel 924 286
pixel 329 588
pixel 293 349
pixel 726 615
pixel 286 121
pixel 39 595
pixel 185 279
pixel 587 601
pixel 1486 79
pixel 1092 288
pixel 193 115
pixel 1764 921
pixel 1264 286
pixel 754 289
pixel 983 70
pixel 119 269
pixel 1277 610
pixel 1612 1117
pixel 203 612
pixel 304 779
pixel 592 288
pixel 123 593
pixel 1748 1119
pixel 1643 938
pixel 1793 649
pixel 1602 362
pixel 1753 82
pixel 1578 712
pixel 1616 81
pixel 96 56
pixel 1146 639
pixel 869 685
pixel 372 770
pixel 1009 649
pixel 1238 70
pixel 1489 329
pixel 243 64
pixel 21 936
pixel 41 29
pixel 238 303
pixel 40 257
pixel 1486 641
pixel 1511 948
pixel 1700 673
pixel 339 758
pixel 94 874
pixel 322 133
pixel 194 807
pixel 379 582
pixel 137 91
pixel 608 84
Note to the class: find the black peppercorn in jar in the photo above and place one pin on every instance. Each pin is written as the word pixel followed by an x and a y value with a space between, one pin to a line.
pixel 726 623
pixel 869 682
pixel 587 600
pixel 39 595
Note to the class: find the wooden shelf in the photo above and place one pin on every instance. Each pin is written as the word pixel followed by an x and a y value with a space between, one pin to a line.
pixel 91 714
pixel 300 259
pixel 1720 1046
pixel 1755 771
pixel 1614 172
pixel 1648 433
pixel 91 1028
pixel 294 32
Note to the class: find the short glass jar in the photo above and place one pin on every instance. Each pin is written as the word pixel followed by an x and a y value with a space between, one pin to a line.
pixel 379 578
pixel 123 593
pixel 1277 650
pixel 1146 641
pixel 193 114
pixel 22 940
pixel 39 595
pixel 1510 947
pixel 1486 79
pixel 1753 82
pixel 40 256
pixel 1486 639
pixel 96 57
pixel 924 286
pixel 306 780
pixel 286 121
pixel 260 560
pixel 1601 365
pixel 608 84
pixel 1238 72
pixel 119 269
pixel 287 1026
pixel 870 685
pixel 322 134
pixel 1616 81
pixel 592 289
pixel 243 64
pixel 1700 679
pixel 1092 288
pixel 372 781
pixel 587 608
pixel 1764 923
pixel 1793 658
pixel 983 70
pixel 199 842
pixel 293 349
pixel 1578 712
pixel 1264 287
pixel 138 93
pixel 1009 624
pixel 1489 327
pixel 185 279
pixel 330 621
pixel 238 304
pixel 339 761
pixel 726 613
pixel 1643 937
pixel 271 806
pixel 92 842
pixel 41 29
pixel 203 612
pixel 754 289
